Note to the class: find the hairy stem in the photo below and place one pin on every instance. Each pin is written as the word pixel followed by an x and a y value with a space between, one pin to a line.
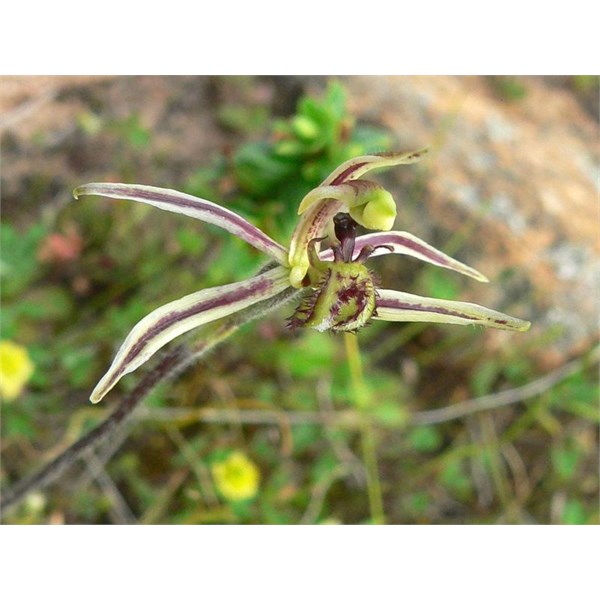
pixel 56 467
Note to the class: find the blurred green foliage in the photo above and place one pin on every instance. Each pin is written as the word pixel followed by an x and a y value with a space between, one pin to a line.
pixel 273 173
pixel 285 400
pixel 18 259
pixel 130 129
pixel 509 88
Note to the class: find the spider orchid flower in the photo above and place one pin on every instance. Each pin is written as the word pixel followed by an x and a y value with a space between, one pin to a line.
pixel 342 293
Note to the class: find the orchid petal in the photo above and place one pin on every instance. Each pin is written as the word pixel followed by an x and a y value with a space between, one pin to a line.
pixel 402 242
pixel 351 193
pixel 357 167
pixel 369 204
pixel 178 317
pixel 190 206
pixel 400 306
pixel 311 226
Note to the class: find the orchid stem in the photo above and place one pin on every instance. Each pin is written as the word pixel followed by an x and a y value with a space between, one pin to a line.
pixel 362 400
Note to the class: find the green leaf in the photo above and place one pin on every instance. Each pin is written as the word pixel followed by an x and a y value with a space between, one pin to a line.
pixel 44 357
pixel 290 149
pixel 190 240
pixel 203 182
pixel 311 356
pixel 314 110
pixel 483 377
pixel 245 119
pixel 257 169
pixel 80 365
pixel 324 464
pixel 509 88
pixel 419 503
pixel 121 318
pixel 133 131
pixel 438 284
pixel 455 479
pixel 574 513
pixel 48 303
pixel 304 436
pixel 566 461
pixel 336 100
pixel 305 128
pixel 425 439
pixel 578 394
pixel 17 424
pixel 18 257
pixel 389 413
pixel 236 261
pixel 518 370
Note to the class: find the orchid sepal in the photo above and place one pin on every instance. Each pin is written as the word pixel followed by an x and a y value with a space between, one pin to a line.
pixel 180 316
pixel 402 242
pixel 357 167
pixel 191 206
pixel 401 306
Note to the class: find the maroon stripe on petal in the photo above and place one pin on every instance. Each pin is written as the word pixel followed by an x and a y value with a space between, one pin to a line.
pixel 386 239
pixel 258 287
pixel 341 178
pixel 198 208
pixel 403 159
pixel 250 231
pixel 399 305
pixel 383 239
pixel 412 156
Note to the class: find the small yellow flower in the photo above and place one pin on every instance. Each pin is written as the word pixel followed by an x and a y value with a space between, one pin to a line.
pixel 15 369
pixel 236 477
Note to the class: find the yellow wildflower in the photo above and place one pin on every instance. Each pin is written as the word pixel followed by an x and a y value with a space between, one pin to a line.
pixel 236 477
pixel 15 369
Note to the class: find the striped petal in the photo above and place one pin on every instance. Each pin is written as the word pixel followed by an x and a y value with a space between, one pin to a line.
pixel 190 206
pixel 352 193
pixel 402 242
pixel 400 306
pixel 311 225
pixel 357 167
pixel 369 204
pixel 178 317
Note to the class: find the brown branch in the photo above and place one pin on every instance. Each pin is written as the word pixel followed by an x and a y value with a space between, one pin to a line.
pixel 505 398
pixel 349 418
